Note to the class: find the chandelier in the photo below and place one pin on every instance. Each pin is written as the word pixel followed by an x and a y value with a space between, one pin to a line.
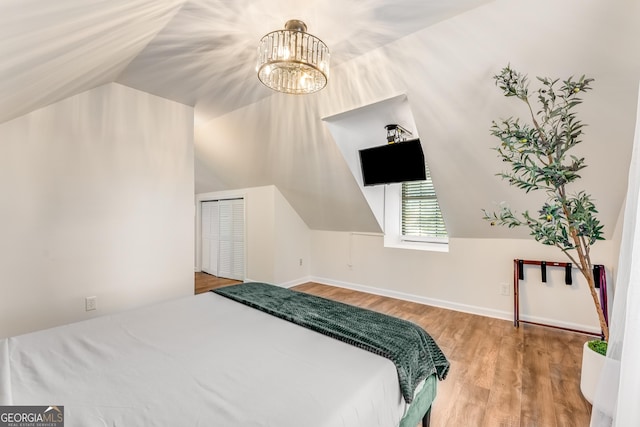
pixel 292 60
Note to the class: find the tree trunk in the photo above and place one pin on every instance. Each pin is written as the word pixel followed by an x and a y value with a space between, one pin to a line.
pixel 588 274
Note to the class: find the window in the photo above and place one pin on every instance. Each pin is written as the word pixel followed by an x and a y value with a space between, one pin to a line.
pixel 421 219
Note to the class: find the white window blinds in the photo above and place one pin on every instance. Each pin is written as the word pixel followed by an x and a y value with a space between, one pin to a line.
pixel 421 216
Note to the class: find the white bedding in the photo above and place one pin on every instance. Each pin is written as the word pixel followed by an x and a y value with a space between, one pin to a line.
pixel 199 361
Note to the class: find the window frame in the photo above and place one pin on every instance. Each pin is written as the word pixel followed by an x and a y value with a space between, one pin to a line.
pixel 393 230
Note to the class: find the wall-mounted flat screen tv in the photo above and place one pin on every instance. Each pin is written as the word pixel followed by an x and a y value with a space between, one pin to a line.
pixel 391 163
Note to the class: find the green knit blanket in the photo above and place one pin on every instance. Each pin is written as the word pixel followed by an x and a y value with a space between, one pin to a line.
pixel 415 354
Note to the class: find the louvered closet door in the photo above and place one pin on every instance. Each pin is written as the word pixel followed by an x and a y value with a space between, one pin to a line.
pixel 231 255
pixel 210 238
pixel 238 240
pixel 223 238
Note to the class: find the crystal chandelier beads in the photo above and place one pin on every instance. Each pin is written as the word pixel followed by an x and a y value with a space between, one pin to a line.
pixel 292 60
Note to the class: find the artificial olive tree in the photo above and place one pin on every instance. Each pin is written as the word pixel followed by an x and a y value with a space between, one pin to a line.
pixel 538 153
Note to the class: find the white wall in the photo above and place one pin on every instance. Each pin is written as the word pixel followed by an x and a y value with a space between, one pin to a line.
pixel 467 278
pixel 275 236
pixel 97 200
pixel 292 244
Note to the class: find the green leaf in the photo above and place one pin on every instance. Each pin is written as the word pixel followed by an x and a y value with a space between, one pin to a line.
pixel 538 154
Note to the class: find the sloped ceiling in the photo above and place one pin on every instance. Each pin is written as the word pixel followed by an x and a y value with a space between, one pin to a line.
pixel 50 50
pixel 440 54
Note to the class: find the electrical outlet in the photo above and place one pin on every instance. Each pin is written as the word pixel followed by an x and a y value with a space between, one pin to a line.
pixel 504 289
pixel 300 262
pixel 90 303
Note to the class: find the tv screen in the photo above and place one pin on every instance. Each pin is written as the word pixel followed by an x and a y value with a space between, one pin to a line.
pixel 390 163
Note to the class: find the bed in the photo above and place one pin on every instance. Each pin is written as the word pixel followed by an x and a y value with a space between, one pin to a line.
pixel 207 360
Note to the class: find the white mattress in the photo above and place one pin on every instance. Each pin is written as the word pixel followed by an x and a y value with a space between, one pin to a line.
pixel 199 361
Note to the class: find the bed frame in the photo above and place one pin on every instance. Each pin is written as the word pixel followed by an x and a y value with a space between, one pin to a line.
pixel 420 408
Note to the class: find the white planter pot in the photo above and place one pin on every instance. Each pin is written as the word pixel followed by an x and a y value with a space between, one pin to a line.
pixel 592 364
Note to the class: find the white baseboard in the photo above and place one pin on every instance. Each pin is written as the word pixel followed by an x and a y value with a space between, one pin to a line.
pixel 450 305
pixel 288 284
pixel 561 324
pixel 296 282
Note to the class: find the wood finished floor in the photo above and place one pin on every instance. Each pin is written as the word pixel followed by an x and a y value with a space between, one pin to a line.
pixel 206 282
pixel 500 376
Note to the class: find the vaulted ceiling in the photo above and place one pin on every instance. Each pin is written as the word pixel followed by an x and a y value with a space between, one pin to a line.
pixel 440 54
